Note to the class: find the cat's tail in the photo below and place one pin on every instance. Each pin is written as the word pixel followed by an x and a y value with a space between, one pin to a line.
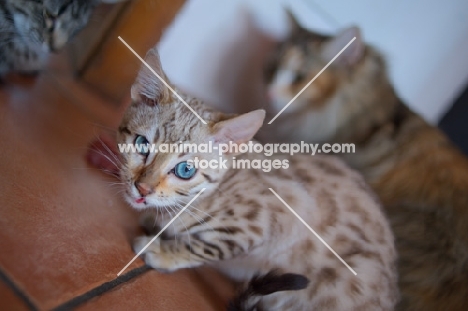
pixel 262 285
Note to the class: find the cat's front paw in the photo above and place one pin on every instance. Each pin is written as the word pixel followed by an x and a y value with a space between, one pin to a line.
pixel 144 242
pixel 160 263
pixel 152 254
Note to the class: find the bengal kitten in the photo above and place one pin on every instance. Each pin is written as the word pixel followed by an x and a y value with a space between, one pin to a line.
pixel 237 224
pixel 419 175
pixel 31 29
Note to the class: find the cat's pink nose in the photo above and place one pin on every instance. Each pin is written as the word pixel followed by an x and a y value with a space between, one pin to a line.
pixel 143 189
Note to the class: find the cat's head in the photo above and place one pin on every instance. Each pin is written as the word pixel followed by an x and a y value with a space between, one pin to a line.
pixel 50 23
pixel 156 118
pixel 354 84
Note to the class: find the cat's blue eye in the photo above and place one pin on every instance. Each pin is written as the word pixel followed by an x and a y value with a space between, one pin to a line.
pixel 183 170
pixel 142 145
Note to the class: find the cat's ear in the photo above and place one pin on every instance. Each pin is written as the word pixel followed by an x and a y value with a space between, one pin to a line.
pixel 148 87
pixel 293 23
pixel 239 129
pixel 353 53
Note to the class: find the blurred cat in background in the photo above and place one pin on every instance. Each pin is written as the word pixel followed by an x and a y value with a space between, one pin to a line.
pixel 419 175
pixel 30 29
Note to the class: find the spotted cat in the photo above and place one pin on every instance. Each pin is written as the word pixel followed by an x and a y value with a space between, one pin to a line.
pixel 237 224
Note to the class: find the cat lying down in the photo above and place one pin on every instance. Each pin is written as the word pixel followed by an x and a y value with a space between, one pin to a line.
pixel 236 223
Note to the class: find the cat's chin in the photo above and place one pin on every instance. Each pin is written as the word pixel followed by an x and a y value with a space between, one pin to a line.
pixel 144 205
pixel 137 203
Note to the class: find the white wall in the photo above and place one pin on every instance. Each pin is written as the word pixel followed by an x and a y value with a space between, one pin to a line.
pixel 212 49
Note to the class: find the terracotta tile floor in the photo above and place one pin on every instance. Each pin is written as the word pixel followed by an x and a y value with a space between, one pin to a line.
pixel 65 232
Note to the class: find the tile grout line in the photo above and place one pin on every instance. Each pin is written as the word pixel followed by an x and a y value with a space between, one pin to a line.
pixel 102 289
pixel 17 291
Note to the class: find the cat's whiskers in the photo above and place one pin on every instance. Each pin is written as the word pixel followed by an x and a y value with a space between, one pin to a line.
pixel 117 183
pixel 156 218
pixel 114 156
pixel 183 223
pixel 199 219
pixel 117 186
pixel 195 216
pixel 167 215
pixel 107 172
pixel 175 231
pixel 120 193
pixel 105 156
pixel 117 165
pixel 216 220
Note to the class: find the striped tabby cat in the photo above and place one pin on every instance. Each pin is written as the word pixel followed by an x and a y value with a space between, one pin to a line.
pixel 30 29
pixel 240 227
pixel 419 175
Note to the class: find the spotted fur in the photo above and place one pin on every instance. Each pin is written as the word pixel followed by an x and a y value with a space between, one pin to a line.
pixel 240 227
pixel 30 29
pixel 419 175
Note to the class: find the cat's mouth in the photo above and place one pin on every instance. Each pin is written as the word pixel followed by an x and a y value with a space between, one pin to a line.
pixel 140 200
pixel 136 201
pixel 140 203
